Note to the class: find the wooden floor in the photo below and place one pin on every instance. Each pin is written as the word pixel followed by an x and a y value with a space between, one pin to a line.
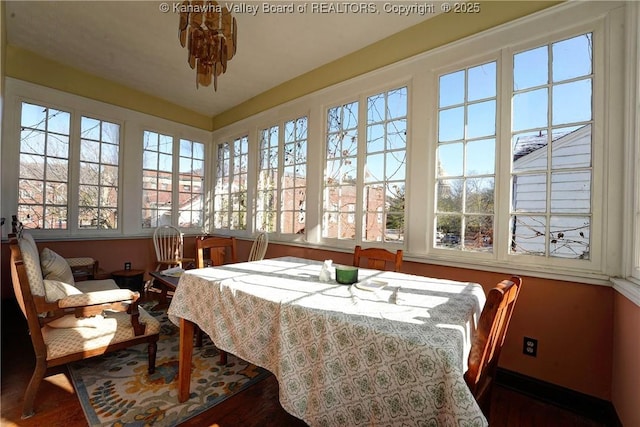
pixel 57 405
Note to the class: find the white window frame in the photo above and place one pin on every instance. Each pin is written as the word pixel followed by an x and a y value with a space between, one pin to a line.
pixel 628 283
pixel 132 124
pixel 249 193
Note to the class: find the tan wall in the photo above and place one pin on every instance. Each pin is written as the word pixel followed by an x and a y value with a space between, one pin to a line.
pixel 572 322
pixel 626 360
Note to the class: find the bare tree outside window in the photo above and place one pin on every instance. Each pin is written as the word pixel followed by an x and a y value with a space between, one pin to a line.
pixel 44 167
pixel 465 171
pixel 99 166
pixel 341 170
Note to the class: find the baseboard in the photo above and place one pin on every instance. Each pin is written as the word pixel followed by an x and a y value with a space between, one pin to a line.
pixel 599 410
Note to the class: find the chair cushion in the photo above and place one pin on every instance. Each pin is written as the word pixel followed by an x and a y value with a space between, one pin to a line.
pixel 55 267
pixel 31 259
pixel 56 290
pixel 70 321
pixel 116 327
pixel 86 286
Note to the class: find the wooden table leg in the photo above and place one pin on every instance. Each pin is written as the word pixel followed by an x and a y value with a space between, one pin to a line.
pixel 184 360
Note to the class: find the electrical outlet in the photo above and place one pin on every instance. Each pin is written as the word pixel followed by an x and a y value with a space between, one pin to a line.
pixel 530 347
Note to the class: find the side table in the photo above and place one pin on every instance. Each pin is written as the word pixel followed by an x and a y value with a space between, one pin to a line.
pixel 130 279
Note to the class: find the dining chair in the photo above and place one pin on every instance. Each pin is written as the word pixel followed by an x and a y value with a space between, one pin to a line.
pixel 222 250
pixel 259 247
pixel 488 340
pixel 168 242
pixel 377 258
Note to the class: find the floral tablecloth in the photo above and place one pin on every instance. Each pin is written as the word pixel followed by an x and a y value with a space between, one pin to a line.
pixel 344 355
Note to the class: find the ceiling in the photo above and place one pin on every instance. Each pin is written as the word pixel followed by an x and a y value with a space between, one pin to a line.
pixel 136 44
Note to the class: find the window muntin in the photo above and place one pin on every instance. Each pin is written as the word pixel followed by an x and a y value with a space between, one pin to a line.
pixel 43 183
pixel 191 184
pixel 378 181
pixel 230 200
pixel 282 178
pixel 157 179
pixel 99 171
pixel 293 194
pixel 267 189
pixel 465 161
pixel 385 167
pixel 341 169
pixel 551 211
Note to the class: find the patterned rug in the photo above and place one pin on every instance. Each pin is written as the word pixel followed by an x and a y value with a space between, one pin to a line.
pixel 116 390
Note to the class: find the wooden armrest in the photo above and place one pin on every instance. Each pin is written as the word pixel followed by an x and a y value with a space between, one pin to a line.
pixel 98 298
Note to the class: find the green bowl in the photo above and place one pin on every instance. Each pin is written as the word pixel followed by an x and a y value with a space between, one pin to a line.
pixel 346 274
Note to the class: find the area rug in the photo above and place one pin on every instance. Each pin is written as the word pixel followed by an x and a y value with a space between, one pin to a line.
pixel 116 389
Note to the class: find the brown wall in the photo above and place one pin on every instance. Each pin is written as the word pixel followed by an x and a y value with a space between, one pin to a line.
pixel 626 360
pixel 573 323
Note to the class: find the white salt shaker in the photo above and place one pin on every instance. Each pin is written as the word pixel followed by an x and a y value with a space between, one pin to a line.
pixel 325 273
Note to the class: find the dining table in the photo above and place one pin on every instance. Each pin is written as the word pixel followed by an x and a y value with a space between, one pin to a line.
pixel 390 349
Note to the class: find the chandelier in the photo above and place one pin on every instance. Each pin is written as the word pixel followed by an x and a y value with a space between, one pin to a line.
pixel 210 34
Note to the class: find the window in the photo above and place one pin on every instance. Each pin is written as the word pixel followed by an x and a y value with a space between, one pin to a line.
pixel 230 201
pixel 551 150
pixel 191 194
pixel 465 171
pixel 340 172
pixel 282 178
pixel 98 187
pixel 267 190
pixel 157 179
pixel 44 167
pixel 385 167
pixel 294 177
pixel 382 173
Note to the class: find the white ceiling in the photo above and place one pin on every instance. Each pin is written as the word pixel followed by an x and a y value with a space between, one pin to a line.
pixel 135 44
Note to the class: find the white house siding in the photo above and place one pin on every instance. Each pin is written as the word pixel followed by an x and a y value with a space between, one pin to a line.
pixel 570 196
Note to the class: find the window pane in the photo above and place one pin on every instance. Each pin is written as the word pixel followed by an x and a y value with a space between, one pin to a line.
pixel 572 102
pixel 482 82
pixel 480 158
pixel 569 237
pixel 530 110
pixel 451 124
pixel 528 235
pixel 530 68
pixel 481 119
pixel 451 89
pixel 572 58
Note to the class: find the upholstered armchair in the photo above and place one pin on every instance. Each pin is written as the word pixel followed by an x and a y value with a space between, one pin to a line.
pixel 70 321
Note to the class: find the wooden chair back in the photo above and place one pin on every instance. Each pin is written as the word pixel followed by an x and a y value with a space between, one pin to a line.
pixel 489 338
pixel 168 243
pixel 259 247
pixel 221 250
pixel 377 258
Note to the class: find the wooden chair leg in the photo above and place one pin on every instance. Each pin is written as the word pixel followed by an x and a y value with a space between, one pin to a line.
pixel 32 388
pixel 152 349
pixel 198 336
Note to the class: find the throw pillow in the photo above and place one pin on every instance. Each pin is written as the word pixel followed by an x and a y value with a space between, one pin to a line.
pixel 55 290
pixel 54 267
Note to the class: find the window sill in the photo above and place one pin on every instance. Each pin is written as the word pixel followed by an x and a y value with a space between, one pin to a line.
pixel 629 289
